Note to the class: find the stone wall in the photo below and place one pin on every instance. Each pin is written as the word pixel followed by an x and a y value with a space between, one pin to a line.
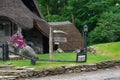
pixel 30 72
pixel 35 37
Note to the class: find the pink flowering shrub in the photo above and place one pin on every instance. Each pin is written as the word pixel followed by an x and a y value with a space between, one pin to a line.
pixel 16 41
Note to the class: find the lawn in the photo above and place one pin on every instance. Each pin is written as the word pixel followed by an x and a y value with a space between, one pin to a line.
pixel 108 51
pixel 111 50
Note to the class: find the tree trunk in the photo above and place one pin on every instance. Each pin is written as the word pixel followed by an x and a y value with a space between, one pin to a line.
pixel 73 19
pixel 48 10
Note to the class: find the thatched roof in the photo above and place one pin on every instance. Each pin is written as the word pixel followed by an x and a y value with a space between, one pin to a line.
pixel 44 28
pixel 74 38
pixel 38 9
pixel 17 12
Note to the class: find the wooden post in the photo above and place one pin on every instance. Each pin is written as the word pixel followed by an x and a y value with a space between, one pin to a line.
pixel 3 52
pixel 6 52
pixel 33 62
pixel 51 44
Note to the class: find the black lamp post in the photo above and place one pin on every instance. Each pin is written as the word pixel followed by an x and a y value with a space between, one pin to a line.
pixel 85 30
pixel 82 55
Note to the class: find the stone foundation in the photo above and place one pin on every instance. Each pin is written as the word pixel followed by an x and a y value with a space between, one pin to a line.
pixel 69 69
pixel 30 72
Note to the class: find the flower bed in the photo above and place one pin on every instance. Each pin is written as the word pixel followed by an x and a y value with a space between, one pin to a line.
pixel 16 41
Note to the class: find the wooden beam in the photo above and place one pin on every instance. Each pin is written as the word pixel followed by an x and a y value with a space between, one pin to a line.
pixel 51 44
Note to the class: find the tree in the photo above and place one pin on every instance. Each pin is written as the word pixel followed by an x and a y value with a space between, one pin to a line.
pixel 88 12
pixel 108 29
pixel 85 12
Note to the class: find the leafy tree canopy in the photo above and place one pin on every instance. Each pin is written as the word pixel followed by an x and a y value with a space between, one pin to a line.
pixel 108 27
pixel 100 15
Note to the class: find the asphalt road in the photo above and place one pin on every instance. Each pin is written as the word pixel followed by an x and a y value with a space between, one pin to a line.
pixel 108 74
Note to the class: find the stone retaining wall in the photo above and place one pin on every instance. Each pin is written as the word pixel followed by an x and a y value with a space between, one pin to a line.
pixel 70 69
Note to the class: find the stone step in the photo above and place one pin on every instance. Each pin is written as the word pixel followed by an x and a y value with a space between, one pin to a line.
pixel 9 78
pixel 12 72
pixel 6 67
pixel 15 57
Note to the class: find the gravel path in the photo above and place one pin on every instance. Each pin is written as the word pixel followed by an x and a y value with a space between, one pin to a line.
pixel 108 74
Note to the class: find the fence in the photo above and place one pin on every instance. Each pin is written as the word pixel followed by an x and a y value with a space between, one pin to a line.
pixel 6 51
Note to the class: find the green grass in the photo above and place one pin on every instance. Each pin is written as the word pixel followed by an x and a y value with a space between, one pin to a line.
pixel 62 56
pixel 108 51
pixel 72 56
pixel 111 50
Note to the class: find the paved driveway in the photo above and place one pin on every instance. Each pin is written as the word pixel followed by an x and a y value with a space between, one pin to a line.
pixel 108 74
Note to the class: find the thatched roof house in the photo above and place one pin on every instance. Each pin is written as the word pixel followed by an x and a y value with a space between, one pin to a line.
pixel 24 14
pixel 74 38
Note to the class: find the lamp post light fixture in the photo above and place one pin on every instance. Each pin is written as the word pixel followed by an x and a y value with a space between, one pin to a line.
pixel 85 28
pixel 82 55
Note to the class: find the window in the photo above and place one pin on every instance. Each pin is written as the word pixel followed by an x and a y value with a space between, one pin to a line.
pixel 5 29
pixel 60 39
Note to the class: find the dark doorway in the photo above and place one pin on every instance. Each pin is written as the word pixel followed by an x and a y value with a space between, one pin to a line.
pixel 55 47
pixel 45 44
